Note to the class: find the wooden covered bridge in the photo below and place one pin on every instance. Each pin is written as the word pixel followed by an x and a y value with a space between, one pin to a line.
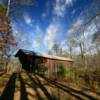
pixel 34 62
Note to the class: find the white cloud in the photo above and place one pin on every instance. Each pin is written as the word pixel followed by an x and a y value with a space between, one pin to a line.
pixel 91 29
pixel 44 15
pixel 51 33
pixel 60 7
pixel 76 25
pixel 69 2
pixel 35 44
pixel 73 12
pixel 27 19
pixel 88 33
pixel 70 31
pixel 64 45
pixel 38 29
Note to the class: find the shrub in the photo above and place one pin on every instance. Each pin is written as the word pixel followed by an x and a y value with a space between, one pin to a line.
pixel 61 71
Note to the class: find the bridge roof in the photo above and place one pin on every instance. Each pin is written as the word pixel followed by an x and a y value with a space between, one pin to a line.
pixel 32 53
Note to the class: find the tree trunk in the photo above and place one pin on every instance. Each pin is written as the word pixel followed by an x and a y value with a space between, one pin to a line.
pixel 97 50
pixel 98 56
pixel 82 55
pixel 70 52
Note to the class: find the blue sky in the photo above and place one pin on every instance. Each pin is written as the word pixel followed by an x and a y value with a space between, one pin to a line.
pixel 45 22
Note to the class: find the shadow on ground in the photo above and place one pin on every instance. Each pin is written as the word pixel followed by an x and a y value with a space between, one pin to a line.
pixel 76 93
pixel 33 81
pixel 37 84
pixel 8 93
pixel 1 73
pixel 24 94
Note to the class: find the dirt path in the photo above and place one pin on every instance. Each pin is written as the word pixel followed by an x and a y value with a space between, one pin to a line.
pixel 25 86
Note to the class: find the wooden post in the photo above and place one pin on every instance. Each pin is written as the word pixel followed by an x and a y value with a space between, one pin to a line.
pixel 48 67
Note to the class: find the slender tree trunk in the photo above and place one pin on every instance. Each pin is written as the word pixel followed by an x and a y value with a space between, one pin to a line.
pixel 70 52
pixel 82 55
pixel 97 50
pixel 8 8
pixel 98 56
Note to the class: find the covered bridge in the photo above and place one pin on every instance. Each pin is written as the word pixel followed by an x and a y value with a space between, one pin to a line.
pixel 34 62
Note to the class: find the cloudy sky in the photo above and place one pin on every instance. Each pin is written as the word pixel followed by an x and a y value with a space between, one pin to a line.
pixel 41 23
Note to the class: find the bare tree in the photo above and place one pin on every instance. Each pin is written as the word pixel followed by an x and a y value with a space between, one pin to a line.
pixel 96 40
pixel 79 29
pixel 55 48
pixel 16 3
pixel 6 37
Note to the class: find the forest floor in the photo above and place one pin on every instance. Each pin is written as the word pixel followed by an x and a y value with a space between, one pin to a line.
pixel 26 86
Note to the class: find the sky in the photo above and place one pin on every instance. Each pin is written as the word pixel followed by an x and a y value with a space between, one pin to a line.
pixel 38 24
